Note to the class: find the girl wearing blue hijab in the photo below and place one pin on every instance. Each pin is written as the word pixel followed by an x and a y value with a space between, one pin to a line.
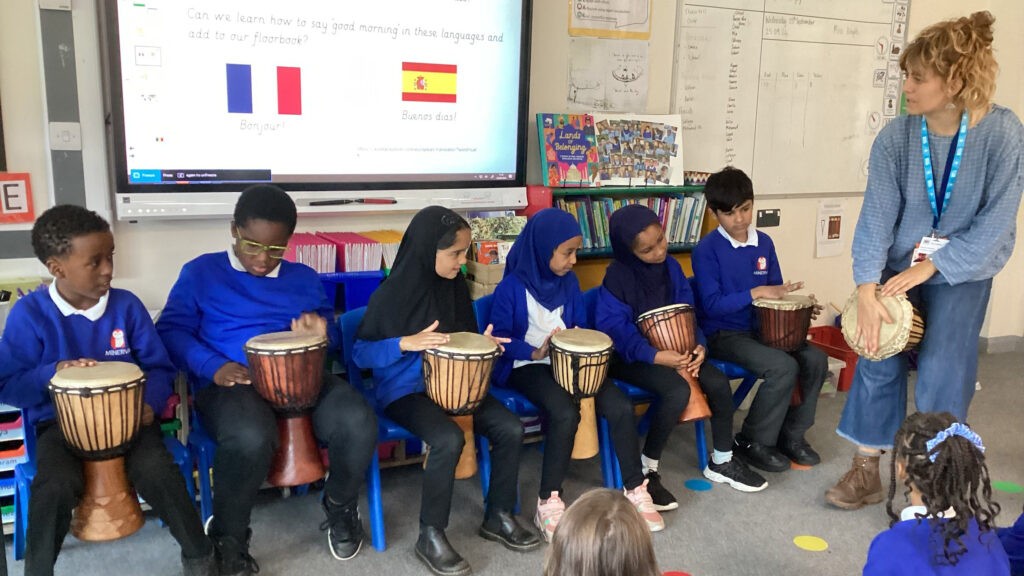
pixel 642 278
pixel 539 296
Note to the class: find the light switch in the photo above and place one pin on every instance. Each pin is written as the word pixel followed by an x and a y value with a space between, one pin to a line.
pixel 65 136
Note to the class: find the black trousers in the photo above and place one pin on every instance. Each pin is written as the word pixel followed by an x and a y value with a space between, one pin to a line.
pixel 562 416
pixel 770 414
pixel 245 428
pixel 424 418
pixel 59 485
pixel 673 394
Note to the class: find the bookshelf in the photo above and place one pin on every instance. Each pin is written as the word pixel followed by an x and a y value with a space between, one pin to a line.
pixel 682 211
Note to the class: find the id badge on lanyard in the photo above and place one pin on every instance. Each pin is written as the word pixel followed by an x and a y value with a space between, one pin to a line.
pixel 933 242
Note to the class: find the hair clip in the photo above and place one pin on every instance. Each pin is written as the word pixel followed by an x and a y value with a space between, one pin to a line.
pixel 955 429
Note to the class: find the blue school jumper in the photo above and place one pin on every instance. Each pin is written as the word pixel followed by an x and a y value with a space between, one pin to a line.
pixel 214 309
pixel 38 336
pixel 909 547
pixel 725 276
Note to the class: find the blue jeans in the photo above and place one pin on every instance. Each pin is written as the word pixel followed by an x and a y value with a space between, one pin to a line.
pixel 947 367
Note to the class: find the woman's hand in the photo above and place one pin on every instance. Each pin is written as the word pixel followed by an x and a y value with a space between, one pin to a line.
pixel 915 275
pixel 423 340
pixel 542 352
pixel 870 315
pixel 497 340
pixel 310 323
pixel 671 359
pixel 231 373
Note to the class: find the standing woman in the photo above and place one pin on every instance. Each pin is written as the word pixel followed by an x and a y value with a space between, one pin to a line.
pixel 423 300
pixel 943 191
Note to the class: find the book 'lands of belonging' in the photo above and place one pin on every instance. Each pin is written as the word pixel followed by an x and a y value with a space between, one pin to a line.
pixel 568 149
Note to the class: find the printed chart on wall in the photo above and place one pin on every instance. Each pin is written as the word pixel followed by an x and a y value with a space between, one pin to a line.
pixel 793 91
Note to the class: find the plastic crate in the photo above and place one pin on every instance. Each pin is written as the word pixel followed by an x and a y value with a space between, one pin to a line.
pixel 830 340
pixel 356 288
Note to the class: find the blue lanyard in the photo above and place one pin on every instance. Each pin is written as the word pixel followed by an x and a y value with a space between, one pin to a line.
pixel 952 167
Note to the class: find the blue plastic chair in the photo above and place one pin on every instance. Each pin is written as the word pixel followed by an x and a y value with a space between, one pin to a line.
pixel 25 473
pixel 387 430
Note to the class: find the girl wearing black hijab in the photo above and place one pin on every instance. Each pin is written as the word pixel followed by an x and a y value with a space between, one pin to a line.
pixel 423 300
pixel 642 278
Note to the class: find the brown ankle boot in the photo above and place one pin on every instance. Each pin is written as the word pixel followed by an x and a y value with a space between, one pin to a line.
pixel 861 485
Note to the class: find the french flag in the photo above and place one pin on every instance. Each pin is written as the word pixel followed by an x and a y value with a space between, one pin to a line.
pixel 239 87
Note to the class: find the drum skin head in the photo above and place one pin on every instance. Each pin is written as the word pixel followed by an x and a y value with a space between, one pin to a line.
pixel 468 343
pixel 892 338
pixel 101 375
pixel 664 309
pixel 787 302
pixel 581 340
pixel 283 341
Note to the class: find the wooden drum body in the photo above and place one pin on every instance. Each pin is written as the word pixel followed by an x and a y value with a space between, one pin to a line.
pixel 457 377
pixel 287 370
pixel 674 327
pixel 785 321
pixel 579 362
pixel 99 409
pixel 905 332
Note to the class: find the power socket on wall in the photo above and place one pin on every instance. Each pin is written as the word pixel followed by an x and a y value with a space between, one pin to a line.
pixel 768 218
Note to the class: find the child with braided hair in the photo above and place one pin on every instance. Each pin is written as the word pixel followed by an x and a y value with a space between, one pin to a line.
pixel 949 528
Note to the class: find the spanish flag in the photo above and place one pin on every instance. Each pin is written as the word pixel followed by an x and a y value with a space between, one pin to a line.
pixel 428 82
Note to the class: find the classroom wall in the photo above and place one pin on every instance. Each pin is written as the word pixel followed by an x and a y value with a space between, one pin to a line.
pixel 149 254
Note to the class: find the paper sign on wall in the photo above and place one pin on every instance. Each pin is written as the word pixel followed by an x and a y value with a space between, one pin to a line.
pixel 829 232
pixel 16 198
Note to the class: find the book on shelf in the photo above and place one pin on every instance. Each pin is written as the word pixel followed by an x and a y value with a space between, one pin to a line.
pixel 681 216
pixel 355 253
pixel 311 250
pixel 389 241
pixel 568 149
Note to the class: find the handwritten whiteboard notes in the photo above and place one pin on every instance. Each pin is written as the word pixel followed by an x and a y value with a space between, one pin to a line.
pixel 792 91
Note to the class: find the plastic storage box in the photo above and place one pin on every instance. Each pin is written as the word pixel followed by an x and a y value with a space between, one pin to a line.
pixel 830 340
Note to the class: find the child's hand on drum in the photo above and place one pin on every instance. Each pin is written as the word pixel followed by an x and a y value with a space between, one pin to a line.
pixel 147 414
pixel 497 340
pixel 775 292
pixel 870 315
pixel 671 358
pixel 79 363
pixel 816 309
pixel 231 373
pixel 542 352
pixel 693 366
pixel 311 323
pixel 424 340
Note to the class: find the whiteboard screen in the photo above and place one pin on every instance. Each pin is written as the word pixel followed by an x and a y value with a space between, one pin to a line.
pixel 791 91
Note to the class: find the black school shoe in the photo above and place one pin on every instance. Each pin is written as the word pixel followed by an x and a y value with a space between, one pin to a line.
pixel 767 458
pixel 799 451
pixel 433 549
pixel 233 557
pixel 736 474
pixel 504 528
pixel 662 498
pixel 344 529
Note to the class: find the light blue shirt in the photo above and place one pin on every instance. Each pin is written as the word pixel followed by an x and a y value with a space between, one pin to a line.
pixel 980 220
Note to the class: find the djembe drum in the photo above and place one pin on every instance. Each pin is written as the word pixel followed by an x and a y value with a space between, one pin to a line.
pixel 673 328
pixel 905 332
pixel 784 321
pixel 579 362
pixel 287 370
pixel 457 377
pixel 99 409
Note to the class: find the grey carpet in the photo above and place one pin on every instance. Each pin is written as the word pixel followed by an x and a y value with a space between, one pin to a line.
pixel 716 533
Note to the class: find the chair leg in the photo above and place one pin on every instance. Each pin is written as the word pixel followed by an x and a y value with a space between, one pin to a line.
pixel 204 468
pixel 702 445
pixel 21 496
pixel 375 505
pixel 484 465
pixel 610 473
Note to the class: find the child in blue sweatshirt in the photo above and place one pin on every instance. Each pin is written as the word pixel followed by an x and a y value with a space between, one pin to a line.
pixel 220 301
pixel 539 296
pixel 949 528
pixel 79 321
pixel 735 265
pixel 641 278
pixel 423 300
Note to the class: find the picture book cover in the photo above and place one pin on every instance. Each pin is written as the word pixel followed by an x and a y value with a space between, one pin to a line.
pixel 568 150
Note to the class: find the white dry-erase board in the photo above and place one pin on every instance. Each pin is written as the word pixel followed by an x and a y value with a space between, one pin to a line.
pixel 791 91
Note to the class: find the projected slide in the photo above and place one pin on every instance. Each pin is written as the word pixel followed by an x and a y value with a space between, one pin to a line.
pixel 320 91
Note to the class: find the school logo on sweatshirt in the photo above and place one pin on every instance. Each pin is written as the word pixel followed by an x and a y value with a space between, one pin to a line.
pixel 118 344
pixel 762 264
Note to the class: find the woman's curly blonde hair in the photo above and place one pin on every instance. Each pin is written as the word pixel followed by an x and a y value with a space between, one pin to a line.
pixel 958 50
